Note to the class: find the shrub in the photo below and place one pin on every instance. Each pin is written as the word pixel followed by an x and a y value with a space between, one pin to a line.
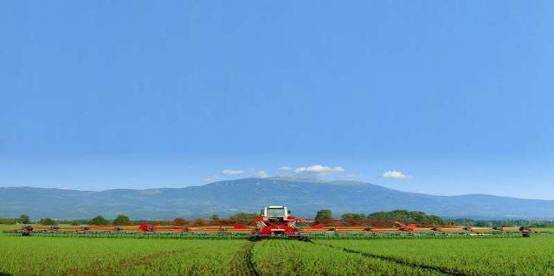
pixel 122 220
pixel 99 220
pixel 47 221
pixel 25 219
pixel 323 216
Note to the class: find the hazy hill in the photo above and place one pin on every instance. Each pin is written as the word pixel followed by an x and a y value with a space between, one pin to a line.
pixel 304 197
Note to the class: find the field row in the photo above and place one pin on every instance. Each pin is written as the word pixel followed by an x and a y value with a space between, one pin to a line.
pixel 510 256
pixel 77 256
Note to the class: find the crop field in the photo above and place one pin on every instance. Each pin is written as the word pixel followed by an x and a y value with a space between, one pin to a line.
pixel 77 256
pixel 479 256
pixel 111 256
pixel 304 258
pixel 8 227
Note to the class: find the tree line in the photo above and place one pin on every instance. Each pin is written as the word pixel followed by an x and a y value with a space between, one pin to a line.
pixel 98 220
pixel 125 220
pixel 324 216
pixel 404 216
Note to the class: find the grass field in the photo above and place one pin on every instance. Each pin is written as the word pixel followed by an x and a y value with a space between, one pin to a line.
pixel 102 256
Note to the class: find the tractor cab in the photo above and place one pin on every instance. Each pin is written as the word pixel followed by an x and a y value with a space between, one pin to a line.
pixel 275 213
pixel 276 221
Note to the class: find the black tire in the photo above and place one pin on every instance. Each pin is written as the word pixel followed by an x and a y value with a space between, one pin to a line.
pixel 254 238
pixel 304 238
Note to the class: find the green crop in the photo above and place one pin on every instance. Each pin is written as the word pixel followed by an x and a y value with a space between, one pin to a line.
pixel 42 255
pixel 476 256
pixel 77 256
pixel 284 257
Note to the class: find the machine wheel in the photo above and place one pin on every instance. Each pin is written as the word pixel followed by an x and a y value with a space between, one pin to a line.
pixel 304 238
pixel 254 238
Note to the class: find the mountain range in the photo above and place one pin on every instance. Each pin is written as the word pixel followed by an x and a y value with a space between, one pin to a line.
pixel 304 197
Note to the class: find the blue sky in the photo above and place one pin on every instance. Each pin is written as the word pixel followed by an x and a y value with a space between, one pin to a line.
pixel 442 97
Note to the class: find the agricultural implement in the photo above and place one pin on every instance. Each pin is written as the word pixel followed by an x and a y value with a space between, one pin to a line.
pixel 274 222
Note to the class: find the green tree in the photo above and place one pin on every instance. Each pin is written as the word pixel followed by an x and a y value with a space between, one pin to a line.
pixel 99 220
pixel 8 220
pixel 353 216
pixel 121 220
pixel 47 221
pixel 25 219
pixel 323 216
pixel 406 216
pixel 353 219
pixel 214 219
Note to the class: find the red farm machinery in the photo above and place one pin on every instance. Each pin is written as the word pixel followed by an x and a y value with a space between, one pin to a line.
pixel 274 221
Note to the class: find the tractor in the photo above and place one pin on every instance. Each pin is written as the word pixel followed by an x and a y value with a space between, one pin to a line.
pixel 276 221
pixel 525 231
pixel 26 230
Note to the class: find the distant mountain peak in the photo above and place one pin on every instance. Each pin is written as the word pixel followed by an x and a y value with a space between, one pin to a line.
pixel 313 180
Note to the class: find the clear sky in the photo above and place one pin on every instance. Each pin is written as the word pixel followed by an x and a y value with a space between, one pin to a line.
pixel 441 97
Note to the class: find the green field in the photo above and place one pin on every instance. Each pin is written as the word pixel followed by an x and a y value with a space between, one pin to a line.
pixel 105 256
pixel 8 227
pixel 479 256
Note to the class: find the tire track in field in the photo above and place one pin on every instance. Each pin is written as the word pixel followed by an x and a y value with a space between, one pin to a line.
pixel 250 260
pixel 400 261
pixel 242 263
